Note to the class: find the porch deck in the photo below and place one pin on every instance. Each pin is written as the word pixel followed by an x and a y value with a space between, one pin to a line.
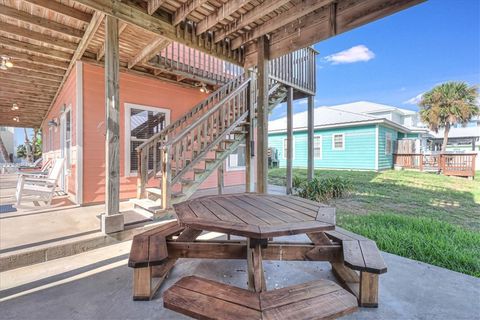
pixel 28 233
pixel 98 285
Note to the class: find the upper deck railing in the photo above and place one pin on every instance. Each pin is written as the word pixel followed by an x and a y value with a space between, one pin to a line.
pixel 296 69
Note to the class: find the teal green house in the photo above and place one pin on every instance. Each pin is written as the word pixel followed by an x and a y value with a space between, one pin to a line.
pixel 357 136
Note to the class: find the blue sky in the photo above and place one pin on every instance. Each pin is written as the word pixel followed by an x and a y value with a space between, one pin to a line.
pixel 401 56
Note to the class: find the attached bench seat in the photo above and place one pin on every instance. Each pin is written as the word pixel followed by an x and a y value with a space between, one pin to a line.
pixel 206 299
pixel 359 254
pixel 149 257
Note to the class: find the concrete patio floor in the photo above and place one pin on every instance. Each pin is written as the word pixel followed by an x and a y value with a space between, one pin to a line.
pixel 98 285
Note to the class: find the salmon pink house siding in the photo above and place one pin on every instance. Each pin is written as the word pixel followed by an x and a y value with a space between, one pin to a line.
pixel 65 105
pixel 82 99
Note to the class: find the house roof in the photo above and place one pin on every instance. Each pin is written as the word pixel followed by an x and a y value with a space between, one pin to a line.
pixel 371 107
pixel 328 117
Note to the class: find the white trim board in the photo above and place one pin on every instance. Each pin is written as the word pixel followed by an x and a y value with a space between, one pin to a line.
pixel 79 133
pixel 127 108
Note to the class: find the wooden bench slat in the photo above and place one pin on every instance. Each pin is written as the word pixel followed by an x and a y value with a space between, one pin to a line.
pixel 150 243
pixel 283 296
pixel 327 306
pixel 157 249
pixel 374 262
pixel 201 306
pixel 221 291
pixel 352 255
pixel 139 252
pixel 350 234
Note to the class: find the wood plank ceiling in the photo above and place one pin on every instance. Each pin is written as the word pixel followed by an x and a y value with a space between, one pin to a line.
pixel 44 38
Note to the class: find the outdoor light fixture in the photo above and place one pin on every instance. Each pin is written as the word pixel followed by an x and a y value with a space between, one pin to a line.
pixel 52 123
pixel 5 63
pixel 15 107
pixel 203 88
pixel 16 119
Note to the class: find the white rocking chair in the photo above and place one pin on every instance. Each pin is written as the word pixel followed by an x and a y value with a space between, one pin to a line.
pixel 42 186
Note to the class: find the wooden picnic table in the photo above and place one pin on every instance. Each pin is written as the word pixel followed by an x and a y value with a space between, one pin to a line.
pixel 355 260
pixel 257 217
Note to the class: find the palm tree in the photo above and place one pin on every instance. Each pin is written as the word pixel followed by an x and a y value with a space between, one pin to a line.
pixel 449 104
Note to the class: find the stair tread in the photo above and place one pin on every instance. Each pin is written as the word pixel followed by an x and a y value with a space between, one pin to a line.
pixel 147 204
pixel 156 191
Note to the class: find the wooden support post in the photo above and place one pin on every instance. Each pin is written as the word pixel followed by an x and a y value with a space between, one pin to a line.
pixel 310 139
pixel 262 114
pixel 220 178
pixel 142 283
pixel 256 276
pixel 368 290
pixel 112 220
pixel 249 148
pixel 289 140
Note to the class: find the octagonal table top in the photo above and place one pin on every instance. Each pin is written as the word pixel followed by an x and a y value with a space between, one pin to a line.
pixel 254 215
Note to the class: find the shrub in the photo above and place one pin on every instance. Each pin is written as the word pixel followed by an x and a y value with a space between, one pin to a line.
pixel 323 189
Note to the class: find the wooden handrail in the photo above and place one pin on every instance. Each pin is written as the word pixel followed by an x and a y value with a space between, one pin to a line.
pixel 197 108
pixel 189 138
pixel 210 111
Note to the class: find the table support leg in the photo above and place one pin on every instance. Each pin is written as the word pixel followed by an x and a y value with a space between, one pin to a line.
pixel 256 276
pixel 368 290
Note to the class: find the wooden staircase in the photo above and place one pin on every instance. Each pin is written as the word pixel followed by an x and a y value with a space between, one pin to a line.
pixel 188 151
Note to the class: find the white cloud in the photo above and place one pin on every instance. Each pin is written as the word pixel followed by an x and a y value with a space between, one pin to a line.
pixel 415 100
pixel 354 54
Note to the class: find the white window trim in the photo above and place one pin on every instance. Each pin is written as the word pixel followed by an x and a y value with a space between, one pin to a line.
pixel 128 107
pixel 284 154
pixel 227 162
pixel 321 147
pixel 388 135
pixel 343 141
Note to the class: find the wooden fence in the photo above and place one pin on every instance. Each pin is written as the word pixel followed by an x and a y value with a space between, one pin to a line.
pixel 450 164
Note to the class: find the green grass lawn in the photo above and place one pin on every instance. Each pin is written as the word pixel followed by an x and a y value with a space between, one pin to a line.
pixel 422 216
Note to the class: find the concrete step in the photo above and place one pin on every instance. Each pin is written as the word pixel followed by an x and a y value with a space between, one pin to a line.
pixel 59 248
pixel 147 204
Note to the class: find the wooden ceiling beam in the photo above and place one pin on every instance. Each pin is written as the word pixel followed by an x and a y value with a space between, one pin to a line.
pixel 37 36
pixel 298 11
pixel 27 82
pixel 21 102
pixel 39 21
pixel 225 11
pixel 153 5
pixel 131 13
pixel 17 96
pixel 101 52
pixel 13 87
pixel 37 49
pixel 32 58
pixel 149 51
pixel 17 73
pixel 267 7
pixel 27 66
pixel 315 27
pixel 182 13
pixel 62 9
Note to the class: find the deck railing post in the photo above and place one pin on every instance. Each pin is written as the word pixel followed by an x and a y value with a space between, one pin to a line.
pixel 249 145
pixel 310 133
pixel 166 176
pixel 289 182
pixel 262 114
